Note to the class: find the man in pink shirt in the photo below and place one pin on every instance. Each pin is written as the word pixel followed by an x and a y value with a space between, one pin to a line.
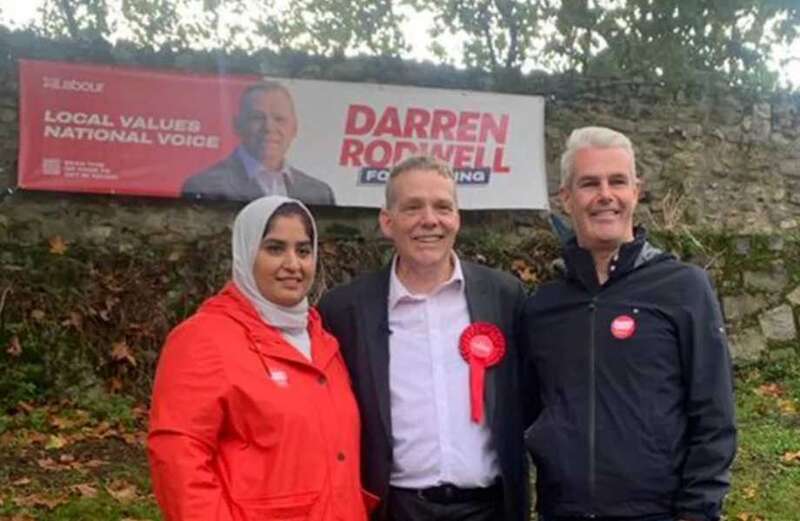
pixel 437 444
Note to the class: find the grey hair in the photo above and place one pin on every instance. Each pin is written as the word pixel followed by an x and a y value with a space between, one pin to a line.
pixel 593 137
pixel 422 162
pixel 263 86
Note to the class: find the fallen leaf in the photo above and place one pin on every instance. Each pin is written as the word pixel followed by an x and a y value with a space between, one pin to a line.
pixel 55 442
pixel 94 463
pixel 102 430
pixel 58 246
pixel 787 407
pixel 20 482
pixel 37 314
pixel 770 390
pixel 524 270
pixel 38 500
pixel 120 352
pixel 175 256
pixel 140 411
pixel 115 385
pixel 26 407
pixel 121 491
pixel 66 458
pixel 61 423
pixel 75 320
pixel 747 516
pixel 14 347
pixel 112 301
pixel 139 438
pixel 34 437
pixel 77 437
pixel 750 492
pixel 328 248
pixel 791 457
pixel 84 489
pixel 21 517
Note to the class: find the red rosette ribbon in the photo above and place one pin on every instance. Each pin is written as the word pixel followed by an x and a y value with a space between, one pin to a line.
pixel 482 345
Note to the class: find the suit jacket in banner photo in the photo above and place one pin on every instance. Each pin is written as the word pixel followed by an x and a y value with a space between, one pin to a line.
pixel 228 180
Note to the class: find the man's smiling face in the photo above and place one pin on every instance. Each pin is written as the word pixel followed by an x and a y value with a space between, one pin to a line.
pixel 601 196
pixel 267 126
pixel 422 219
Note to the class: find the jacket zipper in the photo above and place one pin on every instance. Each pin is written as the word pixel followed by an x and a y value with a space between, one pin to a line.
pixel 592 400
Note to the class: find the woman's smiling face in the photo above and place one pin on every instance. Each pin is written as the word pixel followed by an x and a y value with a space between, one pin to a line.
pixel 284 266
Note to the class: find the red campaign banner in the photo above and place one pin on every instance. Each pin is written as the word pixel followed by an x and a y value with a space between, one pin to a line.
pixel 103 129
pixel 117 130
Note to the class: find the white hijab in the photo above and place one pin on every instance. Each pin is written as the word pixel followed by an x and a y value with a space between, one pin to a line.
pixel 248 232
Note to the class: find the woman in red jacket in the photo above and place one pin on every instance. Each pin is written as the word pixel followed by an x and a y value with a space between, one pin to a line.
pixel 252 415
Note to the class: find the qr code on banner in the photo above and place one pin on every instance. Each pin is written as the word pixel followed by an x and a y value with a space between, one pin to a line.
pixel 51 166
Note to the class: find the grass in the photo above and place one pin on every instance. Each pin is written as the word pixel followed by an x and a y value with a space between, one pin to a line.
pixel 75 461
pixel 86 461
pixel 766 473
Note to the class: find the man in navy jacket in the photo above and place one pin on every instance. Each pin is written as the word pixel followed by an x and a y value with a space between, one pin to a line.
pixel 627 355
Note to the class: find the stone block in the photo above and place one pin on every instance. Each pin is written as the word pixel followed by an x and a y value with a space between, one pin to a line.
pixel 794 150
pixel 8 115
pixel 762 110
pixel 98 234
pixel 779 139
pixel 729 112
pixel 739 306
pixel 784 113
pixel 790 167
pixel 694 130
pixel 761 123
pixel 782 354
pixel 742 246
pixel 748 346
pixel 794 296
pixel 778 323
pixel 771 281
pixel 776 243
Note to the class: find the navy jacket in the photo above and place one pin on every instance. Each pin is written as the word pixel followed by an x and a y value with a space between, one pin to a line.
pixel 632 389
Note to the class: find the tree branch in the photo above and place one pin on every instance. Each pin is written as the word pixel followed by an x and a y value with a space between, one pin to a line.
pixel 68 10
pixel 487 35
pixel 506 10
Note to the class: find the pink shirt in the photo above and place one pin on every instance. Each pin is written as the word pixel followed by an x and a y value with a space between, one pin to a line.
pixel 434 439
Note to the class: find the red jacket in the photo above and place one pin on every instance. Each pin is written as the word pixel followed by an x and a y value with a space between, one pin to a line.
pixel 243 427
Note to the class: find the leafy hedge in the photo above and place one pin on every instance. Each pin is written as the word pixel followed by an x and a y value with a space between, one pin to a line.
pixel 75 317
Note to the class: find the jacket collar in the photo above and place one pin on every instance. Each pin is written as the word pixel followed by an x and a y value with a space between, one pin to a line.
pixel 631 256
pixel 266 338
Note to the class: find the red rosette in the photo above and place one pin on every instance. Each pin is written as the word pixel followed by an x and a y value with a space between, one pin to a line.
pixel 482 345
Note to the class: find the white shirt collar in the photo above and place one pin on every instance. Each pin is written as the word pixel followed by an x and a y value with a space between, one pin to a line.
pixel 398 291
pixel 254 167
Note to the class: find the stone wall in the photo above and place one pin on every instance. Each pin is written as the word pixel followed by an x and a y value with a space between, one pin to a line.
pixel 758 281
pixel 716 163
